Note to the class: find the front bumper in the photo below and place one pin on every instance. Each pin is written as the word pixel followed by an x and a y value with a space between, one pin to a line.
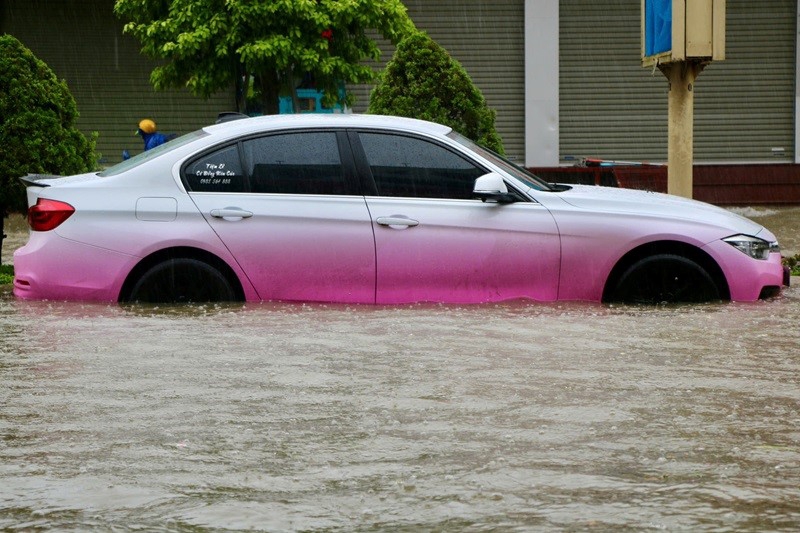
pixel 748 279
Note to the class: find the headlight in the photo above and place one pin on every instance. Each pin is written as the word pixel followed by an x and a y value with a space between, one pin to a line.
pixel 753 246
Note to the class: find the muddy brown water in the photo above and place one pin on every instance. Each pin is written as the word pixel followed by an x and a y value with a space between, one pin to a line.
pixel 506 417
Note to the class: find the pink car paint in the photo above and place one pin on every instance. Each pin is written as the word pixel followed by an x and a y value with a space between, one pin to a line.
pixel 461 252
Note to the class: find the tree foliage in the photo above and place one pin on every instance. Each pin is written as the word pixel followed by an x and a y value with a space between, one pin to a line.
pixel 423 81
pixel 209 45
pixel 37 125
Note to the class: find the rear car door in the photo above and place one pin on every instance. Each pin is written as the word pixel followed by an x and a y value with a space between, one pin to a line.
pixel 434 242
pixel 287 206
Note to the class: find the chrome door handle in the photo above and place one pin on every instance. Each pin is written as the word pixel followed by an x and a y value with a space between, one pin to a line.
pixel 230 213
pixel 397 221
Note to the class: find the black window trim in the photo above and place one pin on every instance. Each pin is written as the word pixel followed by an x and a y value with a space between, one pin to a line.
pixel 349 168
pixel 370 187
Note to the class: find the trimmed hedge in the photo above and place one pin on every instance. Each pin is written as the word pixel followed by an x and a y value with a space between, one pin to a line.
pixel 423 81
pixel 37 125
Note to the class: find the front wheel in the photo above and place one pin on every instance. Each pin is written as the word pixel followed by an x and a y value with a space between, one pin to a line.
pixel 182 280
pixel 665 278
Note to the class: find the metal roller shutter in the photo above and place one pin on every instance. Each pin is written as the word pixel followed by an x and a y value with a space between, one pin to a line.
pixel 744 106
pixel 610 107
pixel 82 43
pixel 488 40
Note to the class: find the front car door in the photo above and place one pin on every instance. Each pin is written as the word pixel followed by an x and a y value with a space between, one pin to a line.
pixel 435 243
pixel 287 206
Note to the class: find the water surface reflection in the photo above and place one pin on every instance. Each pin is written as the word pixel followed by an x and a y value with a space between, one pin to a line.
pixel 516 416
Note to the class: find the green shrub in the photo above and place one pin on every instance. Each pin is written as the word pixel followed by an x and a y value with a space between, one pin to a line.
pixel 423 81
pixel 6 274
pixel 793 263
pixel 37 125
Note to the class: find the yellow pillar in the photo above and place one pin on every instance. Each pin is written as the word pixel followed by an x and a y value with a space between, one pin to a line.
pixel 680 147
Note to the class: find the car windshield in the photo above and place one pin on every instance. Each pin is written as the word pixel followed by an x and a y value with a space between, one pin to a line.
pixel 138 159
pixel 515 170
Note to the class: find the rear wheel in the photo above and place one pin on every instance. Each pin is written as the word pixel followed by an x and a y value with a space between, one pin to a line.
pixel 665 278
pixel 182 280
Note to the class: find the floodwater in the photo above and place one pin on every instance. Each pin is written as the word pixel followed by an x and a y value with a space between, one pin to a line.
pixel 503 417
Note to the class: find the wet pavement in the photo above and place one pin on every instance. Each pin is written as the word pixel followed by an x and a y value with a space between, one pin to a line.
pixel 507 417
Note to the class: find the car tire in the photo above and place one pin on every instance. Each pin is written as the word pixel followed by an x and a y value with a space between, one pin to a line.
pixel 182 280
pixel 665 278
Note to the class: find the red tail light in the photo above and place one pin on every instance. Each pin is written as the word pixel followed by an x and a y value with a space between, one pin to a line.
pixel 48 214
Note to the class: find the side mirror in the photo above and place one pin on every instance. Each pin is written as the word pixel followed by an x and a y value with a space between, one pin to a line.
pixel 491 187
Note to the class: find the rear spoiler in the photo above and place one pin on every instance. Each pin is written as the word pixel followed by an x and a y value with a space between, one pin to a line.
pixel 38 180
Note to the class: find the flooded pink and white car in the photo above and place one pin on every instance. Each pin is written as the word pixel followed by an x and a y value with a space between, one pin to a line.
pixel 374 210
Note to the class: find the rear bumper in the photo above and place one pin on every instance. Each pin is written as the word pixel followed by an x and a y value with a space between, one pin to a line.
pixel 68 270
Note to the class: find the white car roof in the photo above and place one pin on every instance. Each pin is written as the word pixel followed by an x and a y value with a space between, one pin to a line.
pixel 313 120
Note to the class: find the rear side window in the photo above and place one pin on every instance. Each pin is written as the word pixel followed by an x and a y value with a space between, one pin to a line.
pixel 416 168
pixel 156 152
pixel 295 163
pixel 218 171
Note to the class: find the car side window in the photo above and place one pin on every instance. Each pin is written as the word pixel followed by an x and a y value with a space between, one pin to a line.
pixel 295 163
pixel 417 168
pixel 218 171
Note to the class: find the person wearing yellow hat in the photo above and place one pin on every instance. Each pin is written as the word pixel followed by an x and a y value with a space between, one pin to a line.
pixel 150 135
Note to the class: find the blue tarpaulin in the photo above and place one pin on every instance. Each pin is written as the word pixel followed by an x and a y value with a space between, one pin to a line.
pixel 657 27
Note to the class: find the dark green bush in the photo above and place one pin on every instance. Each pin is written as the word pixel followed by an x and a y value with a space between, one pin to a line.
pixel 6 274
pixel 423 81
pixel 793 263
pixel 37 125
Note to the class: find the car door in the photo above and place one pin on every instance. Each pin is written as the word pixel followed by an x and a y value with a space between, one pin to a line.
pixel 287 207
pixel 434 242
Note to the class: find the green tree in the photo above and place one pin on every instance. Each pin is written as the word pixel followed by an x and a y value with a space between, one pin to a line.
pixel 423 81
pixel 209 45
pixel 37 126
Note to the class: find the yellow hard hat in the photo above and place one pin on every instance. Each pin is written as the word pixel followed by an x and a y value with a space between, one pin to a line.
pixel 147 126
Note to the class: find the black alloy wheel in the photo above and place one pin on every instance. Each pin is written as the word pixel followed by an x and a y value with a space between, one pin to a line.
pixel 665 278
pixel 182 280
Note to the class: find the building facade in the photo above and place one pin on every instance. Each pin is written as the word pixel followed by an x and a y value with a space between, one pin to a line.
pixel 564 76
pixel 83 43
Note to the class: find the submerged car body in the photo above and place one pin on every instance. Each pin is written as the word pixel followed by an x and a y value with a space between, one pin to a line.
pixel 371 209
